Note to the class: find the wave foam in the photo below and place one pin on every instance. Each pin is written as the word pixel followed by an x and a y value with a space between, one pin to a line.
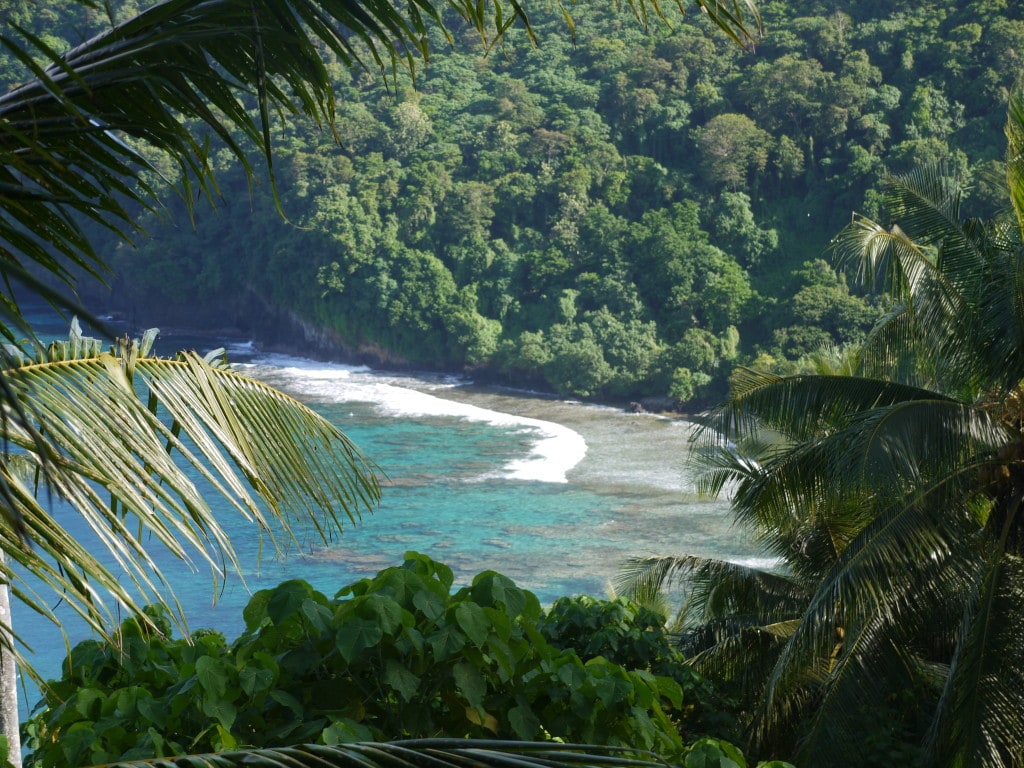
pixel 760 563
pixel 555 452
pixel 242 347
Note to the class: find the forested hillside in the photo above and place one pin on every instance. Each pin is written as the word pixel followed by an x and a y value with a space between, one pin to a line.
pixel 624 216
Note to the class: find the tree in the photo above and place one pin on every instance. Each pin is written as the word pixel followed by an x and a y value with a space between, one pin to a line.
pixel 71 141
pixel 732 147
pixel 893 492
pixel 823 312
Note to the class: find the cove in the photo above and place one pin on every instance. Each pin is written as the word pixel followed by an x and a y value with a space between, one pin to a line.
pixel 553 494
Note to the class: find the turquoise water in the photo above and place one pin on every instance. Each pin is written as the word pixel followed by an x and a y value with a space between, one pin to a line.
pixel 554 494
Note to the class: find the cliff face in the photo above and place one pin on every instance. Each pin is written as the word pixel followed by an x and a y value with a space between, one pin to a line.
pixel 284 330
pixel 274 329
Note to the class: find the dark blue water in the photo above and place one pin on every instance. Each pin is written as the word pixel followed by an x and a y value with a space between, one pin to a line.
pixel 554 494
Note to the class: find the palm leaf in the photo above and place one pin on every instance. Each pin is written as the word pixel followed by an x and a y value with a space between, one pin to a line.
pixel 1015 154
pixel 714 588
pixel 797 407
pixel 906 568
pixel 856 432
pixel 425 753
pixel 851 684
pixel 135 445
pixel 734 619
pixel 980 718
pixel 958 286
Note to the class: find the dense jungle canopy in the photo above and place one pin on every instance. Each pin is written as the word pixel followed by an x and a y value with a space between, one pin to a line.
pixel 629 214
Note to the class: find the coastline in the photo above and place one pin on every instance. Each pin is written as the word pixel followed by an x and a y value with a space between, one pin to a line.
pixel 640 457
pixel 284 333
pixel 630 493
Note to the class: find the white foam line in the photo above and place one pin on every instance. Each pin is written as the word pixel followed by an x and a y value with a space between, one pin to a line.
pixel 242 347
pixel 307 366
pixel 556 451
pixel 760 563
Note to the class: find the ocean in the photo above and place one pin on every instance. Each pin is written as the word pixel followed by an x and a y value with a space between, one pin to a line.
pixel 554 494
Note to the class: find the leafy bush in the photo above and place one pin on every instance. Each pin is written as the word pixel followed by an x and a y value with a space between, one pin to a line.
pixel 633 636
pixel 394 656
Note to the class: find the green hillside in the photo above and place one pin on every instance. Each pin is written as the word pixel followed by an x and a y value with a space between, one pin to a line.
pixel 622 217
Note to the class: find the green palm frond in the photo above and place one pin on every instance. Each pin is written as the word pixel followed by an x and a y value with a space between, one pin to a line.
pixel 425 753
pixel 734 620
pixel 852 433
pixel 805 529
pixel 874 658
pixel 1015 154
pixel 797 407
pixel 905 569
pixel 847 698
pixel 927 202
pixel 958 285
pixel 739 653
pixel 739 19
pixel 715 588
pixel 892 351
pixel 135 446
pixel 913 279
pixel 980 718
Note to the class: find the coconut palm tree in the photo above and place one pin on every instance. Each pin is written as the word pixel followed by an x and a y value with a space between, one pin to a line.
pixel 899 490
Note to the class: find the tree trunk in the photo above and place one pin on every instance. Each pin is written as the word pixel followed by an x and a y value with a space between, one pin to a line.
pixel 9 721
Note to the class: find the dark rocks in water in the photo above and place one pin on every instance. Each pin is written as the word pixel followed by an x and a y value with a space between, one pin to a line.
pixel 658 405
pixel 653 405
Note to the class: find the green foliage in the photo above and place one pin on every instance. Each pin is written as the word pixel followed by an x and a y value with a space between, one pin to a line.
pixel 823 312
pixel 732 149
pixel 633 636
pixel 715 753
pixel 399 655
pixel 534 172
pixel 888 483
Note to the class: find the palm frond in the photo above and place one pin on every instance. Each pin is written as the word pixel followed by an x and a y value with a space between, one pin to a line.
pixel 135 446
pixel 854 688
pixel 853 434
pixel 920 490
pixel 1015 154
pixel 807 538
pixel 425 753
pixel 891 351
pixel 713 588
pixel 957 284
pixel 980 718
pixel 797 407
pixel 907 567
pixel 734 619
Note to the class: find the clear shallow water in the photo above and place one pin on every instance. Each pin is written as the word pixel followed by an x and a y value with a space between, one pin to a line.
pixel 554 494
